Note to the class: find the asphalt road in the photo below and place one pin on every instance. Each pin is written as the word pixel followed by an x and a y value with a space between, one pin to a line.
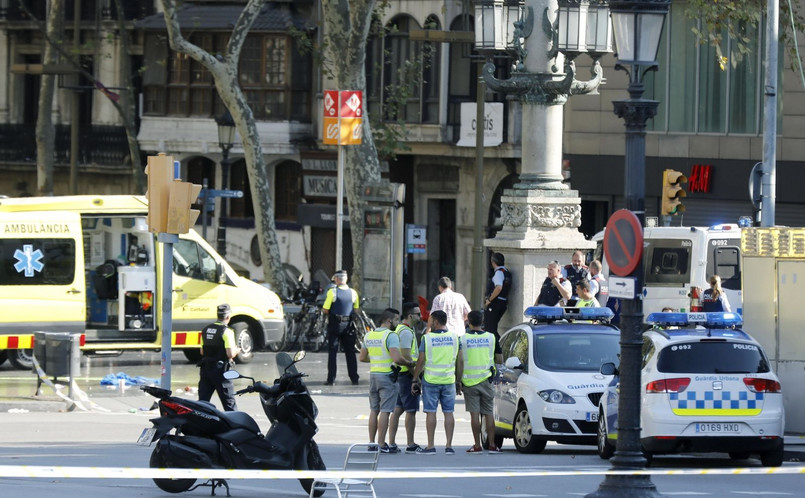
pixel 104 436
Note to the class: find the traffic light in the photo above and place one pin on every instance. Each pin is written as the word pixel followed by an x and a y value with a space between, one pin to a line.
pixel 160 179
pixel 180 216
pixel 672 192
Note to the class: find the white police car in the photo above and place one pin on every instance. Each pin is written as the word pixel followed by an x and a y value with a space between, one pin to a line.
pixel 550 384
pixel 706 386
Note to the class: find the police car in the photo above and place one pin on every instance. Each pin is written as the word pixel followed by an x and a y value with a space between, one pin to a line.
pixel 706 386
pixel 549 387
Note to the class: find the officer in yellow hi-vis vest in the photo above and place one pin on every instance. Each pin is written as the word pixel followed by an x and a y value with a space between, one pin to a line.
pixel 480 351
pixel 407 401
pixel 438 357
pixel 381 348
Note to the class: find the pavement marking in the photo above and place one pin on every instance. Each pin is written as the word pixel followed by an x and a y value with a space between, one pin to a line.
pixel 41 471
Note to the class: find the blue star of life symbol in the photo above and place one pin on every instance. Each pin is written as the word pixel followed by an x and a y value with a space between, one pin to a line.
pixel 28 260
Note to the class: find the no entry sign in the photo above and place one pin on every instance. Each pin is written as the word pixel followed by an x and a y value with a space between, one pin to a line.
pixel 623 243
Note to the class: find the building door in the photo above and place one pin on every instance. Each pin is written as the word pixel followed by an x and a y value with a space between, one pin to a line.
pixel 441 242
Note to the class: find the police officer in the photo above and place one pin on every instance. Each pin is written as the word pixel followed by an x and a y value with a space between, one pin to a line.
pixel 498 296
pixel 381 348
pixel 555 290
pixel 577 270
pixel 339 305
pixel 407 401
pixel 598 283
pixel 481 351
pixel 218 350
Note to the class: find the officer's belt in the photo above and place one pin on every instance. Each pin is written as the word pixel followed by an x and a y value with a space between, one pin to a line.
pixel 340 318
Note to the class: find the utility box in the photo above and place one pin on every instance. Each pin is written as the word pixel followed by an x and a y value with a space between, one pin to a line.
pixel 773 286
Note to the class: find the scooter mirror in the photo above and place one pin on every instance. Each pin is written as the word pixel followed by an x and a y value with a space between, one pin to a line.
pixel 299 355
pixel 231 374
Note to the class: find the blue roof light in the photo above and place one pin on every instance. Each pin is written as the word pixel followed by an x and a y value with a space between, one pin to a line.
pixel 720 320
pixel 553 313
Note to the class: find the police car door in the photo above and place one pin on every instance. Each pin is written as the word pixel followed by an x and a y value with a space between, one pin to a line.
pixel 513 344
pixel 42 268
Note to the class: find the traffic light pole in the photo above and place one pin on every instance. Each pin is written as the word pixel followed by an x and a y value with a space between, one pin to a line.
pixel 166 306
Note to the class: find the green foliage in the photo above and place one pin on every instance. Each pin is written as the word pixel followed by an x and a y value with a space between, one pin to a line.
pixel 729 19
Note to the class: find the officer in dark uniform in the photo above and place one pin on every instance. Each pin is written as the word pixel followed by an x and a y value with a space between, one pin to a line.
pixel 339 304
pixel 555 290
pixel 577 270
pixel 497 300
pixel 218 349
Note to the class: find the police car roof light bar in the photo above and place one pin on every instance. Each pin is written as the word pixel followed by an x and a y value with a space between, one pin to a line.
pixel 552 313
pixel 720 320
pixel 544 313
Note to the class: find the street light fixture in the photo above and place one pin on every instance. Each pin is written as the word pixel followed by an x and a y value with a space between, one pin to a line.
pixel 226 139
pixel 638 27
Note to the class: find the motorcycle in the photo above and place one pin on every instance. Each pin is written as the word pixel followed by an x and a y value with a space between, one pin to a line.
pixel 194 434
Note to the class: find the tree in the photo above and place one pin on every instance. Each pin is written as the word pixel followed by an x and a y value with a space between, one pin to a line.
pixel 348 25
pixel 45 133
pixel 224 70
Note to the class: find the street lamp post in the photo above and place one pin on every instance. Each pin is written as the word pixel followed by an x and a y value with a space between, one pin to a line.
pixel 638 27
pixel 226 138
pixel 540 215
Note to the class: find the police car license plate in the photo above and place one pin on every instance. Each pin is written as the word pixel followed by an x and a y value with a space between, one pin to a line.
pixel 592 416
pixel 147 436
pixel 718 427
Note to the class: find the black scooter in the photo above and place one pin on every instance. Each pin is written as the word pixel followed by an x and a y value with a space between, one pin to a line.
pixel 194 434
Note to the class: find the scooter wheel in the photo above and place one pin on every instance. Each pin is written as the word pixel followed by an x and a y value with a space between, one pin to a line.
pixel 157 461
pixel 314 462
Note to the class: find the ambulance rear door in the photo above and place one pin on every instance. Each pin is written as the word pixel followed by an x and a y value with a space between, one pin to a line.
pixel 42 281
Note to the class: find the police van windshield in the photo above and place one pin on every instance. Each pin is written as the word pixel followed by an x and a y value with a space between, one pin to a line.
pixel 667 261
pixel 712 358
pixel 577 352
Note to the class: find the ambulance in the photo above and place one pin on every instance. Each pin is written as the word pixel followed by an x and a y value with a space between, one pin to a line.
pixel 677 259
pixel 89 265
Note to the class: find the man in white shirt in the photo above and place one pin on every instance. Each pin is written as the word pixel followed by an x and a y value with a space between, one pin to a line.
pixel 455 305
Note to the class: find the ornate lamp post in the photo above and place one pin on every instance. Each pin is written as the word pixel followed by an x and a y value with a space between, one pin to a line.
pixel 540 215
pixel 638 27
pixel 226 138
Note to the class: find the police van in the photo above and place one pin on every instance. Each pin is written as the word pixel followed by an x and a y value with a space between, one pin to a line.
pixel 677 259
pixel 89 265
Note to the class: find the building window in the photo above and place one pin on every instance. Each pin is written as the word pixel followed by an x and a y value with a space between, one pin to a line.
pixel 275 79
pixel 288 190
pixel 697 92
pixel 402 76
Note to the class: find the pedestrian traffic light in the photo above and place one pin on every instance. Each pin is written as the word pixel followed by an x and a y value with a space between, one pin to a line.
pixel 672 192
pixel 160 178
pixel 180 216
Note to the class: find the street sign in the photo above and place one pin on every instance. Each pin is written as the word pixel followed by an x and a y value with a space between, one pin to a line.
pixel 623 243
pixel 342 122
pixel 622 287
pixel 224 193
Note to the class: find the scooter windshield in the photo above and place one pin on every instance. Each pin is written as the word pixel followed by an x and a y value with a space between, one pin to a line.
pixel 284 361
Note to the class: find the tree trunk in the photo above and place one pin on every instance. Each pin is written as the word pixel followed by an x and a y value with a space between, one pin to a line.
pixel 347 28
pixel 225 74
pixel 45 133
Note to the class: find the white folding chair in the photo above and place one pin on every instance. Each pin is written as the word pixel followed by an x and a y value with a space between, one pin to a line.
pixel 360 457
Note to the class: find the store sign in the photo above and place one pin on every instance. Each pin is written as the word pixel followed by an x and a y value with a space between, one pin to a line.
pixel 492 126
pixel 699 179
pixel 320 186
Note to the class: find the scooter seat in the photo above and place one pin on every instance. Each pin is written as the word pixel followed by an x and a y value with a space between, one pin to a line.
pixel 241 420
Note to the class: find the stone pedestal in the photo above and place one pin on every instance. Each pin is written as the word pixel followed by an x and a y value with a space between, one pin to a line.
pixel 539 226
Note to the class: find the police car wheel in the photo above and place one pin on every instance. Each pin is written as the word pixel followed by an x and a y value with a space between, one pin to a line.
pixel 524 439
pixel 773 458
pixel 245 340
pixel 605 448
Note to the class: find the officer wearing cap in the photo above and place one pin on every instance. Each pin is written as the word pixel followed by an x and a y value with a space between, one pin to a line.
pixel 339 303
pixel 218 349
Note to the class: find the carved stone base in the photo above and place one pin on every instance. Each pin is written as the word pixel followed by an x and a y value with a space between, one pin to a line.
pixel 539 226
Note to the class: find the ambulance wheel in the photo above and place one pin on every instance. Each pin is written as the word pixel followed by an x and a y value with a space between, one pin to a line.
pixel 168 485
pixel 2 357
pixel 192 355
pixel 245 340
pixel 524 439
pixel 21 359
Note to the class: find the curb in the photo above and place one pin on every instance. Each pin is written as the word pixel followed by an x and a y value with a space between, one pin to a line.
pixel 32 404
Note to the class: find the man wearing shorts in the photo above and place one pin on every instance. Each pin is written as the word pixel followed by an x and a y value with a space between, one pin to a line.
pixel 407 401
pixel 381 348
pixel 480 352
pixel 438 358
